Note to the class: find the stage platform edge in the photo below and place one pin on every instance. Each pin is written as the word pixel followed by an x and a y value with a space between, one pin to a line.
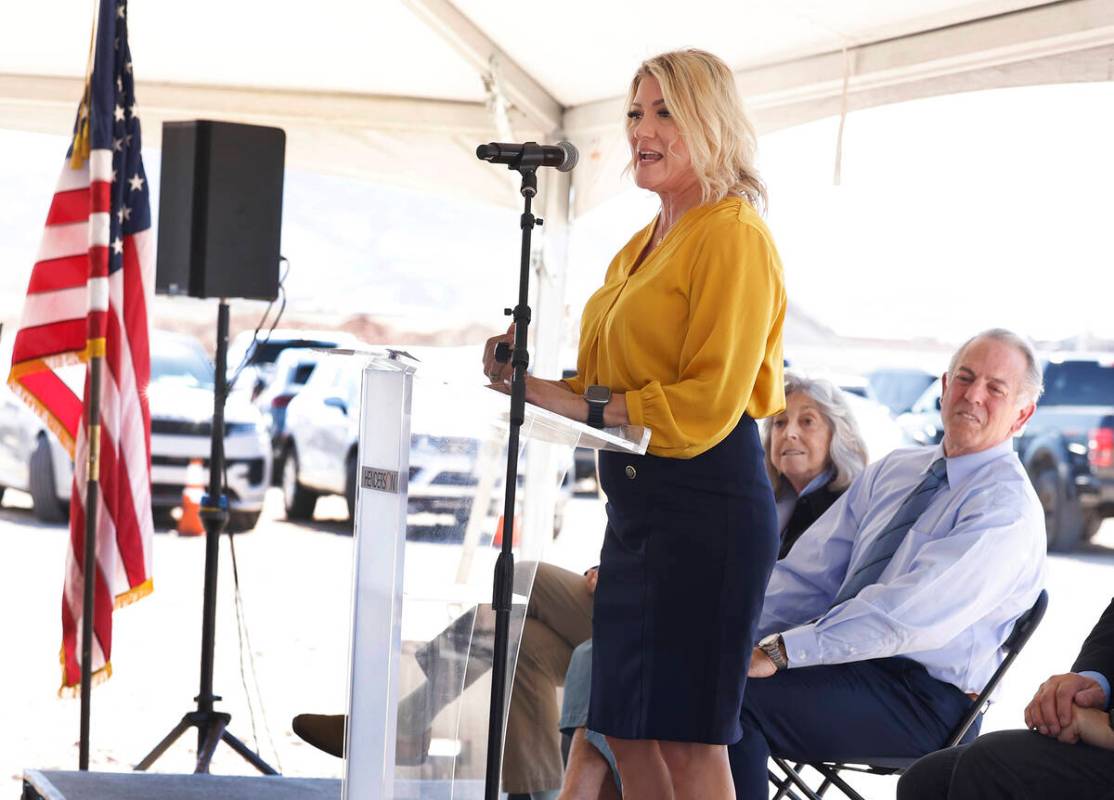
pixel 64 785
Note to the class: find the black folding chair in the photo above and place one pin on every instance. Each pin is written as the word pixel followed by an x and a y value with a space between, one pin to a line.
pixel 1022 630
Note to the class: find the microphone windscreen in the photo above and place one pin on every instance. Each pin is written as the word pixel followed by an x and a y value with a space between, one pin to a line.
pixel 572 156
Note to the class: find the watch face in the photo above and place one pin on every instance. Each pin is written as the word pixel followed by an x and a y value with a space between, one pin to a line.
pixel 597 394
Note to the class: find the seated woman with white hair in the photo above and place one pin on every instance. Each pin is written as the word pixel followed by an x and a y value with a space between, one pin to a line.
pixel 813 450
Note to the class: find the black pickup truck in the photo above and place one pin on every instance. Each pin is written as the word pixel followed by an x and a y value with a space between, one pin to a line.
pixel 1067 447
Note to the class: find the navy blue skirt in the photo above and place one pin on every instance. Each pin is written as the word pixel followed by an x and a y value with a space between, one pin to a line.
pixel 688 551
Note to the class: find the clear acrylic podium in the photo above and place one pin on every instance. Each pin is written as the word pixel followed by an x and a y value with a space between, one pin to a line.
pixel 430 475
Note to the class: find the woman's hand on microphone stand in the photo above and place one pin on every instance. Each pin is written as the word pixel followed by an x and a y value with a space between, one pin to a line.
pixel 498 371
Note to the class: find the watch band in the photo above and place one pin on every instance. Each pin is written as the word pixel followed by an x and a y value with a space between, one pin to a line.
pixel 597 397
pixel 774 648
pixel 595 414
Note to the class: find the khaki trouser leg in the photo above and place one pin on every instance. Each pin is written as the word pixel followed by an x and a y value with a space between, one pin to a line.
pixel 558 618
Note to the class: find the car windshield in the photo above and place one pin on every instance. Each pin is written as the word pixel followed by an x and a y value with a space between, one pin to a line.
pixel 267 352
pixel 1078 383
pixel 899 389
pixel 180 363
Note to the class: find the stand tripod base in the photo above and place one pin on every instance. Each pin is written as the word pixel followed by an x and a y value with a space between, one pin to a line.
pixel 212 729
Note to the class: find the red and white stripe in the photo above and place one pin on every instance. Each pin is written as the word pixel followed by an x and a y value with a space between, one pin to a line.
pixel 73 301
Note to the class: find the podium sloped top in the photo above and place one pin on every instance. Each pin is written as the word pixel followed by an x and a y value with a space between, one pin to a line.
pixel 545 426
pixel 478 402
pixel 458 396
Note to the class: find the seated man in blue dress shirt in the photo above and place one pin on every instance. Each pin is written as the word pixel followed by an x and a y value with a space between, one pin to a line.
pixel 1068 750
pixel 888 615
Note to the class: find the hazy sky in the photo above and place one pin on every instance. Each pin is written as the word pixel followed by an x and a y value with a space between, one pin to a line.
pixel 954 214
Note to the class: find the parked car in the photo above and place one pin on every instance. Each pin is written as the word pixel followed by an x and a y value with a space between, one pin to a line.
pixel 899 388
pixel 322 433
pixel 852 385
pixel 322 429
pixel 1067 447
pixel 880 432
pixel 921 424
pixel 181 401
pixel 291 371
pixel 181 396
pixel 255 361
pixel 32 460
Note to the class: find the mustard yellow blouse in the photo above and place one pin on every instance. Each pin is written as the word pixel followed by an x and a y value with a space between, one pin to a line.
pixel 693 337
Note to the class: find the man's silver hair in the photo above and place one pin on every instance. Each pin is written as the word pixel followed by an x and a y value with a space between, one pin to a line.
pixel 1032 382
pixel 847 454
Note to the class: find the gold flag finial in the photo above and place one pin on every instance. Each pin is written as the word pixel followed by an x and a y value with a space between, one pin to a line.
pixel 79 152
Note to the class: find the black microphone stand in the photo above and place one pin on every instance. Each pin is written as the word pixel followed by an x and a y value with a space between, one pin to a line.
pixel 212 725
pixel 504 565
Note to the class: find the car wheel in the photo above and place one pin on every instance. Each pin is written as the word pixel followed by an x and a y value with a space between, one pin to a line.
pixel 242 521
pixel 350 485
pixel 1063 521
pixel 298 500
pixel 46 505
pixel 162 519
pixel 278 462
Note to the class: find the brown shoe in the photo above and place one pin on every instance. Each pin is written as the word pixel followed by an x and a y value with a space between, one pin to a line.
pixel 323 731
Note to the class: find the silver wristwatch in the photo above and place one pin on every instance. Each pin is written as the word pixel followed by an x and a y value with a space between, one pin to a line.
pixel 774 647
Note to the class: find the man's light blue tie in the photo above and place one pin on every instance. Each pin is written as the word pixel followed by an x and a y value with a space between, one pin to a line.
pixel 882 549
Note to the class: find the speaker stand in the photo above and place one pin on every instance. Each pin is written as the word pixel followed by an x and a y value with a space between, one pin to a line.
pixel 212 726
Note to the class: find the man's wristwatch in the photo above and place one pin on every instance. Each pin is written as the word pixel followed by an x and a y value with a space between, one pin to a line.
pixel 598 397
pixel 774 647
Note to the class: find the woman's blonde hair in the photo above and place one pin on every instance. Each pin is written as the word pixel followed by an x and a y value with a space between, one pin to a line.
pixel 699 91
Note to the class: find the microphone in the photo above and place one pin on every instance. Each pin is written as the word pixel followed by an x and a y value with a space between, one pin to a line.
pixel 562 155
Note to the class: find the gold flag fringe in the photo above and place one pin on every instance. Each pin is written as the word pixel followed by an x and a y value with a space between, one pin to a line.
pixel 52 422
pixel 104 673
pixel 135 593
pixel 94 348
pixel 74 691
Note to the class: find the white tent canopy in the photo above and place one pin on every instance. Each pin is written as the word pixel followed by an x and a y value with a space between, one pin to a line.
pixel 403 90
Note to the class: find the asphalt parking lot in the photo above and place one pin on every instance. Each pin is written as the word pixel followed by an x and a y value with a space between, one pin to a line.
pixel 294 582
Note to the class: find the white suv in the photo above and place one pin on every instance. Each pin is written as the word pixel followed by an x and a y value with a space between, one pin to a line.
pixel 181 395
pixel 181 398
pixel 322 433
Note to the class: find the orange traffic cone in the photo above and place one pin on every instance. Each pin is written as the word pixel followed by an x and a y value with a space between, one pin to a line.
pixel 189 524
pixel 516 532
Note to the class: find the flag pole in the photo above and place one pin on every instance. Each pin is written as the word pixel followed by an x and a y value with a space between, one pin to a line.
pixel 89 560
pixel 81 141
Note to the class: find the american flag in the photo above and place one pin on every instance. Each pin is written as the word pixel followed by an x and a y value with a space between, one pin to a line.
pixel 87 297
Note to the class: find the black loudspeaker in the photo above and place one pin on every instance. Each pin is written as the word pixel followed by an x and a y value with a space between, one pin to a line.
pixel 220 210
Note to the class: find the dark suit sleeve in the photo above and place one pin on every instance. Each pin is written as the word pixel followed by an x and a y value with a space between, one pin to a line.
pixel 1097 654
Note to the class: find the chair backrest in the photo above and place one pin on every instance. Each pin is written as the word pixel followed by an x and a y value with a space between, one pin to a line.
pixel 1019 636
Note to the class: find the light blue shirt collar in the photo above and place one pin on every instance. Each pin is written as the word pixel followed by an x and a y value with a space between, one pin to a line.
pixel 786 491
pixel 819 482
pixel 960 467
